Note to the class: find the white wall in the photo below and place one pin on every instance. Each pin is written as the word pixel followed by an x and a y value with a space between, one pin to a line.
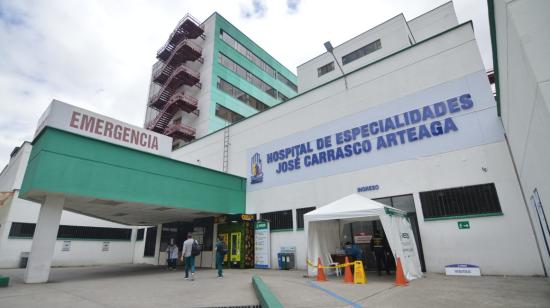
pixel 82 252
pixel 433 22
pixel 11 176
pixel 393 35
pixel 450 56
pixel 523 46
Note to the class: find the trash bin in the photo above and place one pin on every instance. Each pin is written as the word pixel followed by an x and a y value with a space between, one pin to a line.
pixel 290 263
pixel 280 260
pixel 285 260
pixel 24 259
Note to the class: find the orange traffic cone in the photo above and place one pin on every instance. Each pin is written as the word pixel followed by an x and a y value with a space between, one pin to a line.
pixel 320 271
pixel 348 277
pixel 400 279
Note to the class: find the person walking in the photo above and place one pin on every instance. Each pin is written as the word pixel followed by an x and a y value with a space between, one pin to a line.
pixel 380 247
pixel 172 254
pixel 187 253
pixel 221 251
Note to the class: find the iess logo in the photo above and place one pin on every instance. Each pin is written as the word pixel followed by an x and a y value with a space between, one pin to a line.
pixel 256 169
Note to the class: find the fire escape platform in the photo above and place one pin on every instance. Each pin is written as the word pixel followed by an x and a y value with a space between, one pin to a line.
pixel 178 101
pixel 180 131
pixel 187 28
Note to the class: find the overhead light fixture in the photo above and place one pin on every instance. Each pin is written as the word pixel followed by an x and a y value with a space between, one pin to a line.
pixel 330 49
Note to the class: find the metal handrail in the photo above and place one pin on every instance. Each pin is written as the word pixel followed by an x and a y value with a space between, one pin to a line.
pixel 179 127
pixel 175 70
pixel 189 99
pixel 173 52
pixel 180 23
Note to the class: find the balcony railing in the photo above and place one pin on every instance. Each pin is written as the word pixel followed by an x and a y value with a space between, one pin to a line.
pixel 180 131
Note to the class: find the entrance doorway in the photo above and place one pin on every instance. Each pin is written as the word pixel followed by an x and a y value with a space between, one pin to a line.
pixel 359 233
pixel 406 203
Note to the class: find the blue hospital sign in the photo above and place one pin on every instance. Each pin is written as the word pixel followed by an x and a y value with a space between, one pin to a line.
pixel 256 169
pixel 447 117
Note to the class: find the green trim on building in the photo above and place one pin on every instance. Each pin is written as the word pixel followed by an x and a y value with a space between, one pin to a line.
pixel 493 31
pixel 74 165
pixel 463 216
pixel 257 50
pixel 218 70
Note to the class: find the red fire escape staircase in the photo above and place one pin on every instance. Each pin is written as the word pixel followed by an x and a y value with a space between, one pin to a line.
pixel 171 73
pixel 187 28
pixel 159 124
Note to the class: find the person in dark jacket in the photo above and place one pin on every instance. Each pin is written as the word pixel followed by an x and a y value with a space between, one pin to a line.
pixel 221 250
pixel 379 245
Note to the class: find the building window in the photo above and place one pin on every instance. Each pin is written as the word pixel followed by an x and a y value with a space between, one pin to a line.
pixel 287 82
pixel 227 114
pixel 300 216
pixel 325 69
pixel 244 74
pixel 281 220
pixel 20 229
pixel 140 233
pixel 240 95
pixel 256 60
pixel 361 52
pixel 150 242
pixel 460 201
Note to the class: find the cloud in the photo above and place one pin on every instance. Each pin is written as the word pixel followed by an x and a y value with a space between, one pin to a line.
pixel 258 9
pixel 292 6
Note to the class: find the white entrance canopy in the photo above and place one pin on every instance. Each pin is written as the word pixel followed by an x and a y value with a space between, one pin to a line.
pixel 324 225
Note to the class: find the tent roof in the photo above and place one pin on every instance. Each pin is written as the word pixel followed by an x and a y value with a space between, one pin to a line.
pixel 352 206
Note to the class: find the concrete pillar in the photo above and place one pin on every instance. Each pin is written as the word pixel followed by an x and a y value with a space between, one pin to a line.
pixel 43 243
pixel 157 244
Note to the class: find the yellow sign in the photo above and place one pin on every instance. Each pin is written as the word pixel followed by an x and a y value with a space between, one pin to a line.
pixel 359 273
pixel 235 253
pixel 248 216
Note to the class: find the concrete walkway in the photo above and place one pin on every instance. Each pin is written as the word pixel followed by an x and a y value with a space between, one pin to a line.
pixel 148 286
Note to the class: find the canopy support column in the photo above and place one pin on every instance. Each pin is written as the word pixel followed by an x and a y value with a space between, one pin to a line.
pixel 43 243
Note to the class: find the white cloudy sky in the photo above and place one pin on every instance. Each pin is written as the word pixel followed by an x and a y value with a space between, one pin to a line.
pixel 98 54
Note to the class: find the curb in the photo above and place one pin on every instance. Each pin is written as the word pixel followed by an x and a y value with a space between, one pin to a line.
pixel 4 281
pixel 264 294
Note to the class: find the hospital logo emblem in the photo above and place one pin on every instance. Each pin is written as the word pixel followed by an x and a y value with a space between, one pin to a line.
pixel 256 169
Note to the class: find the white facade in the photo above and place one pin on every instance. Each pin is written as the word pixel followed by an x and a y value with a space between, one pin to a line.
pixel 521 45
pixel 395 35
pixel 81 252
pixel 445 59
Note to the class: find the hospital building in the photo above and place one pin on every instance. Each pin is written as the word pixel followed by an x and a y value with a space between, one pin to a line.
pixel 403 114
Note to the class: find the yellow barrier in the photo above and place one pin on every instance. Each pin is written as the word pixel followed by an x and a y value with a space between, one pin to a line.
pixel 359 276
pixel 322 266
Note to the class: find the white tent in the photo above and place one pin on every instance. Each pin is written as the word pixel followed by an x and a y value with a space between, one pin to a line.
pixel 324 225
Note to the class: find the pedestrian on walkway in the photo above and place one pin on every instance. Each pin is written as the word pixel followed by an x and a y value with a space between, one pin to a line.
pixel 221 251
pixel 379 245
pixel 172 254
pixel 187 253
